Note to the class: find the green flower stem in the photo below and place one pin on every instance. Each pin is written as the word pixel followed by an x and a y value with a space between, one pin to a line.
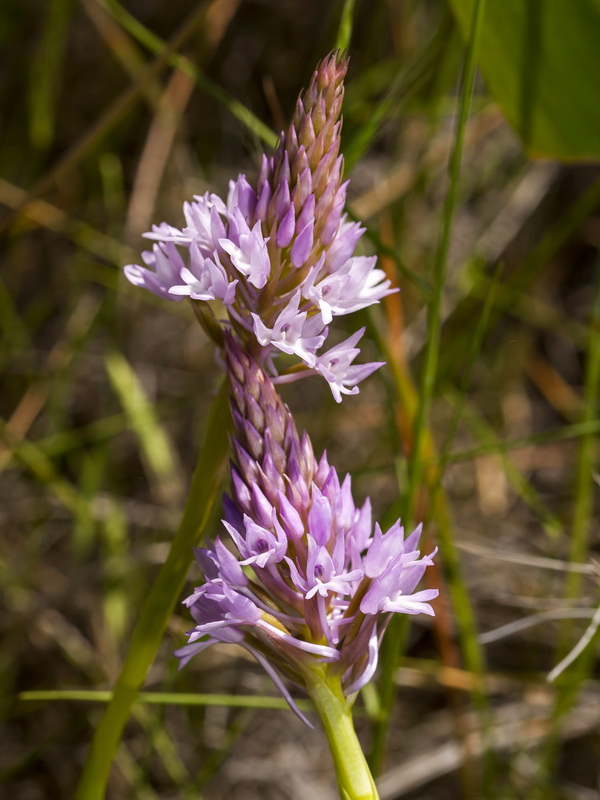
pixel 354 778
pixel 160 601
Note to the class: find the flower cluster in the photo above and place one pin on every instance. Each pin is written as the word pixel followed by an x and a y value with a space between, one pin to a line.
pixel 305 581
pixel 279 257
pixel 312 582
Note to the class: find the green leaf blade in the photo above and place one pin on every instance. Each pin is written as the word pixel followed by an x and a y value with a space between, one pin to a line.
pixel 539 59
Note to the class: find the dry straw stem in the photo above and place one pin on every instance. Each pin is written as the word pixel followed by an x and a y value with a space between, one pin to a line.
pixel 110 117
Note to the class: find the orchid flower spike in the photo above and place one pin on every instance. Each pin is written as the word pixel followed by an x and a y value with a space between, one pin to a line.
pixel 277 257
pixel 307 584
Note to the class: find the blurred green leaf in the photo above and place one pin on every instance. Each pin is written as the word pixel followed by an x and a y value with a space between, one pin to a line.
pixel 345 30
pixel 160 600
pixel 159 455
pixel 538 59
pixel 46 73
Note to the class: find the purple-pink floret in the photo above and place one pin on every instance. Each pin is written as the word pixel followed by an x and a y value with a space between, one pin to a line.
pixel 308 580
pixel 278 257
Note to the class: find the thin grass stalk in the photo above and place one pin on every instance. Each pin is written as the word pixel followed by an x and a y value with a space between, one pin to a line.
pixel 164 699
pixel 160 601
pixel 524 489
pixel 571 681
pixel 157 46
pixel 510 297
pixel 576 431
pixel 421 436
pixel 461 604
pixel 439 266
pixel 410 80
pixel 476 343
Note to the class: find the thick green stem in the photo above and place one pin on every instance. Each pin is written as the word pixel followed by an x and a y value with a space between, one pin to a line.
pixel 354 778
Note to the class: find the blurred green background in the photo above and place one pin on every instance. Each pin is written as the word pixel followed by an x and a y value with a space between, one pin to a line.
pixel 106 389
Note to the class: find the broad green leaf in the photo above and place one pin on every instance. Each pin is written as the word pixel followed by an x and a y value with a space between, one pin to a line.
pixel 541 62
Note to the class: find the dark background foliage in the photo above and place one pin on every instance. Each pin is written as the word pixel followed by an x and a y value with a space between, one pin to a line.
pixel 105 394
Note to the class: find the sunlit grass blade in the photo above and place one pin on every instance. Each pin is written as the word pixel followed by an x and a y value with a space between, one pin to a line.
pixel 164 698
pixel 157 450
pixel 160 601
pixel 585 641
pixel 344 34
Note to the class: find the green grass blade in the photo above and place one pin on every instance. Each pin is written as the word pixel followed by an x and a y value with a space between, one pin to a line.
pixel 46 70
pixel 157 46
pixel 439 267
pixel 344 34
pixel 475 348
pixel 577 431
pixel 570 683
pixel 409 82
pixel 536 58
pixel 448 552
pixel 160 601
pixel 524 489
pixel 164 698
pixel 43 471
pixel 156 447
